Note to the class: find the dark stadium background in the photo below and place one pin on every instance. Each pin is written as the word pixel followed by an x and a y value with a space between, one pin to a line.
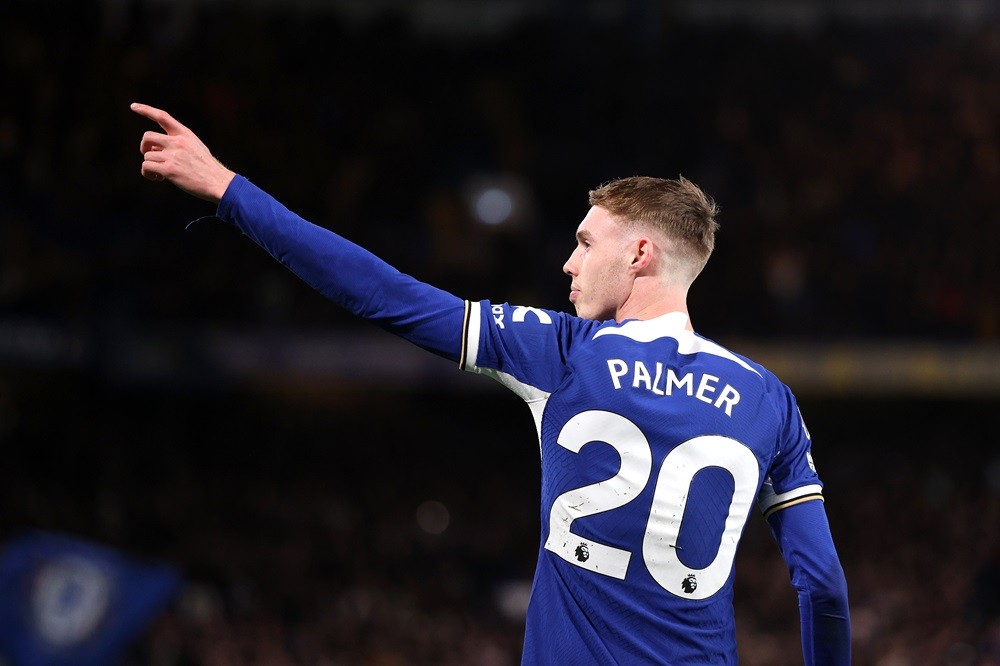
pixel 177 394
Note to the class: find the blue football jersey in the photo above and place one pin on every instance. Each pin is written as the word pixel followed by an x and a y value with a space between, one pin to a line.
pixel 655 446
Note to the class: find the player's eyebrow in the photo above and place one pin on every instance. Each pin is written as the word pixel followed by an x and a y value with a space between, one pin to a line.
pixel 583 235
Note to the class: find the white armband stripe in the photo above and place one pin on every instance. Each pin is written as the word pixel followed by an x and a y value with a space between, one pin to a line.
pixel 470 336
pixel 769 501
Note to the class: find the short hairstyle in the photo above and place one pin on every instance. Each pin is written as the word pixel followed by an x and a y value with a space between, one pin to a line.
pixel 677 208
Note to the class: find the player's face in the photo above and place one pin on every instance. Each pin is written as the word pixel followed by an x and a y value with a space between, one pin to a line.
pixel 599 266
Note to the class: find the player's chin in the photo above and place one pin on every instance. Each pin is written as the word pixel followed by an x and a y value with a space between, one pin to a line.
pixel 583 311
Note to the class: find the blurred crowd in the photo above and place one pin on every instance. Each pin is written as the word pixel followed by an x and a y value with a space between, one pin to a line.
pixel 402 530
pixel 855 165
pixel 856 169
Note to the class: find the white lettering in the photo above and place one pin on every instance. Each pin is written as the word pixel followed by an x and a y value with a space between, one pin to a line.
pixel 707 385
pixel 497 311
pixel 641 376
pixel 617 368
pixel 672 381
pixel 656 380
pixel 707 390
pixel 728 397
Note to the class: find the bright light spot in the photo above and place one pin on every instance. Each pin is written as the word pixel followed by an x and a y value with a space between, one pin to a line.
pixel 512 597
pixel 433 517
pixel 493 205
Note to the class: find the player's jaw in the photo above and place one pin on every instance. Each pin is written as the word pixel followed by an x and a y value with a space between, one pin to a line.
pixel 591 302
pixel 576 297
pixel 590 289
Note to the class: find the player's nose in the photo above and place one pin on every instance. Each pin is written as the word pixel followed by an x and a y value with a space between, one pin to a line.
pixel 568 267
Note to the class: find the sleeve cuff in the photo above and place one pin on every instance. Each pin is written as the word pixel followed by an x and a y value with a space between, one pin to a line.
pixel 228 202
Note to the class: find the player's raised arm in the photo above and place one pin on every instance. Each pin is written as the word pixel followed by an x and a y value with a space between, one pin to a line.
pixel 344 272
pixel 179 156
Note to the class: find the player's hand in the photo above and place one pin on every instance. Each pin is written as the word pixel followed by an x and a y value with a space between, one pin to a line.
pixel 179 156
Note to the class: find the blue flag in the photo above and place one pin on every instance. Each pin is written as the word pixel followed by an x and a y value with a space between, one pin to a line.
pixel 65 601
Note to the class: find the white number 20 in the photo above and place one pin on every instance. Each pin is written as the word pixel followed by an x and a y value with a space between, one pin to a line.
pixel 670 496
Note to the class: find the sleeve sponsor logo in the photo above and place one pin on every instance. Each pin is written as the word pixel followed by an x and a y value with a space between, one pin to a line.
pixel 518 315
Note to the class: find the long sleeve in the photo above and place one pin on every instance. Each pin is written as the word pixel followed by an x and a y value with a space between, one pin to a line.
pixel 346 273
pixel 803 535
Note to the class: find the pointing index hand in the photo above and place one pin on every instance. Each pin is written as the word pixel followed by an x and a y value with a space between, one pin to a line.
pixel 179 156
pixel 169 124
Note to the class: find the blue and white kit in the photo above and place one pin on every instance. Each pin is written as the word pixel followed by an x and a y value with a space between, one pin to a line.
pixel 655 446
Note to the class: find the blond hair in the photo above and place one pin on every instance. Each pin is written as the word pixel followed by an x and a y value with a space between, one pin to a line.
pixel 677 208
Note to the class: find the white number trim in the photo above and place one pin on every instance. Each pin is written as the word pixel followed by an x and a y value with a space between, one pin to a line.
pixel 673 484
pixel 636 462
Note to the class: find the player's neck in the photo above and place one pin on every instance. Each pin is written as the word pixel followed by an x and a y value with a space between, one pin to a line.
pixel 654 303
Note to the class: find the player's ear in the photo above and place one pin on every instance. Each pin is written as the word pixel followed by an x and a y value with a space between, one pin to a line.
pixel 643 250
